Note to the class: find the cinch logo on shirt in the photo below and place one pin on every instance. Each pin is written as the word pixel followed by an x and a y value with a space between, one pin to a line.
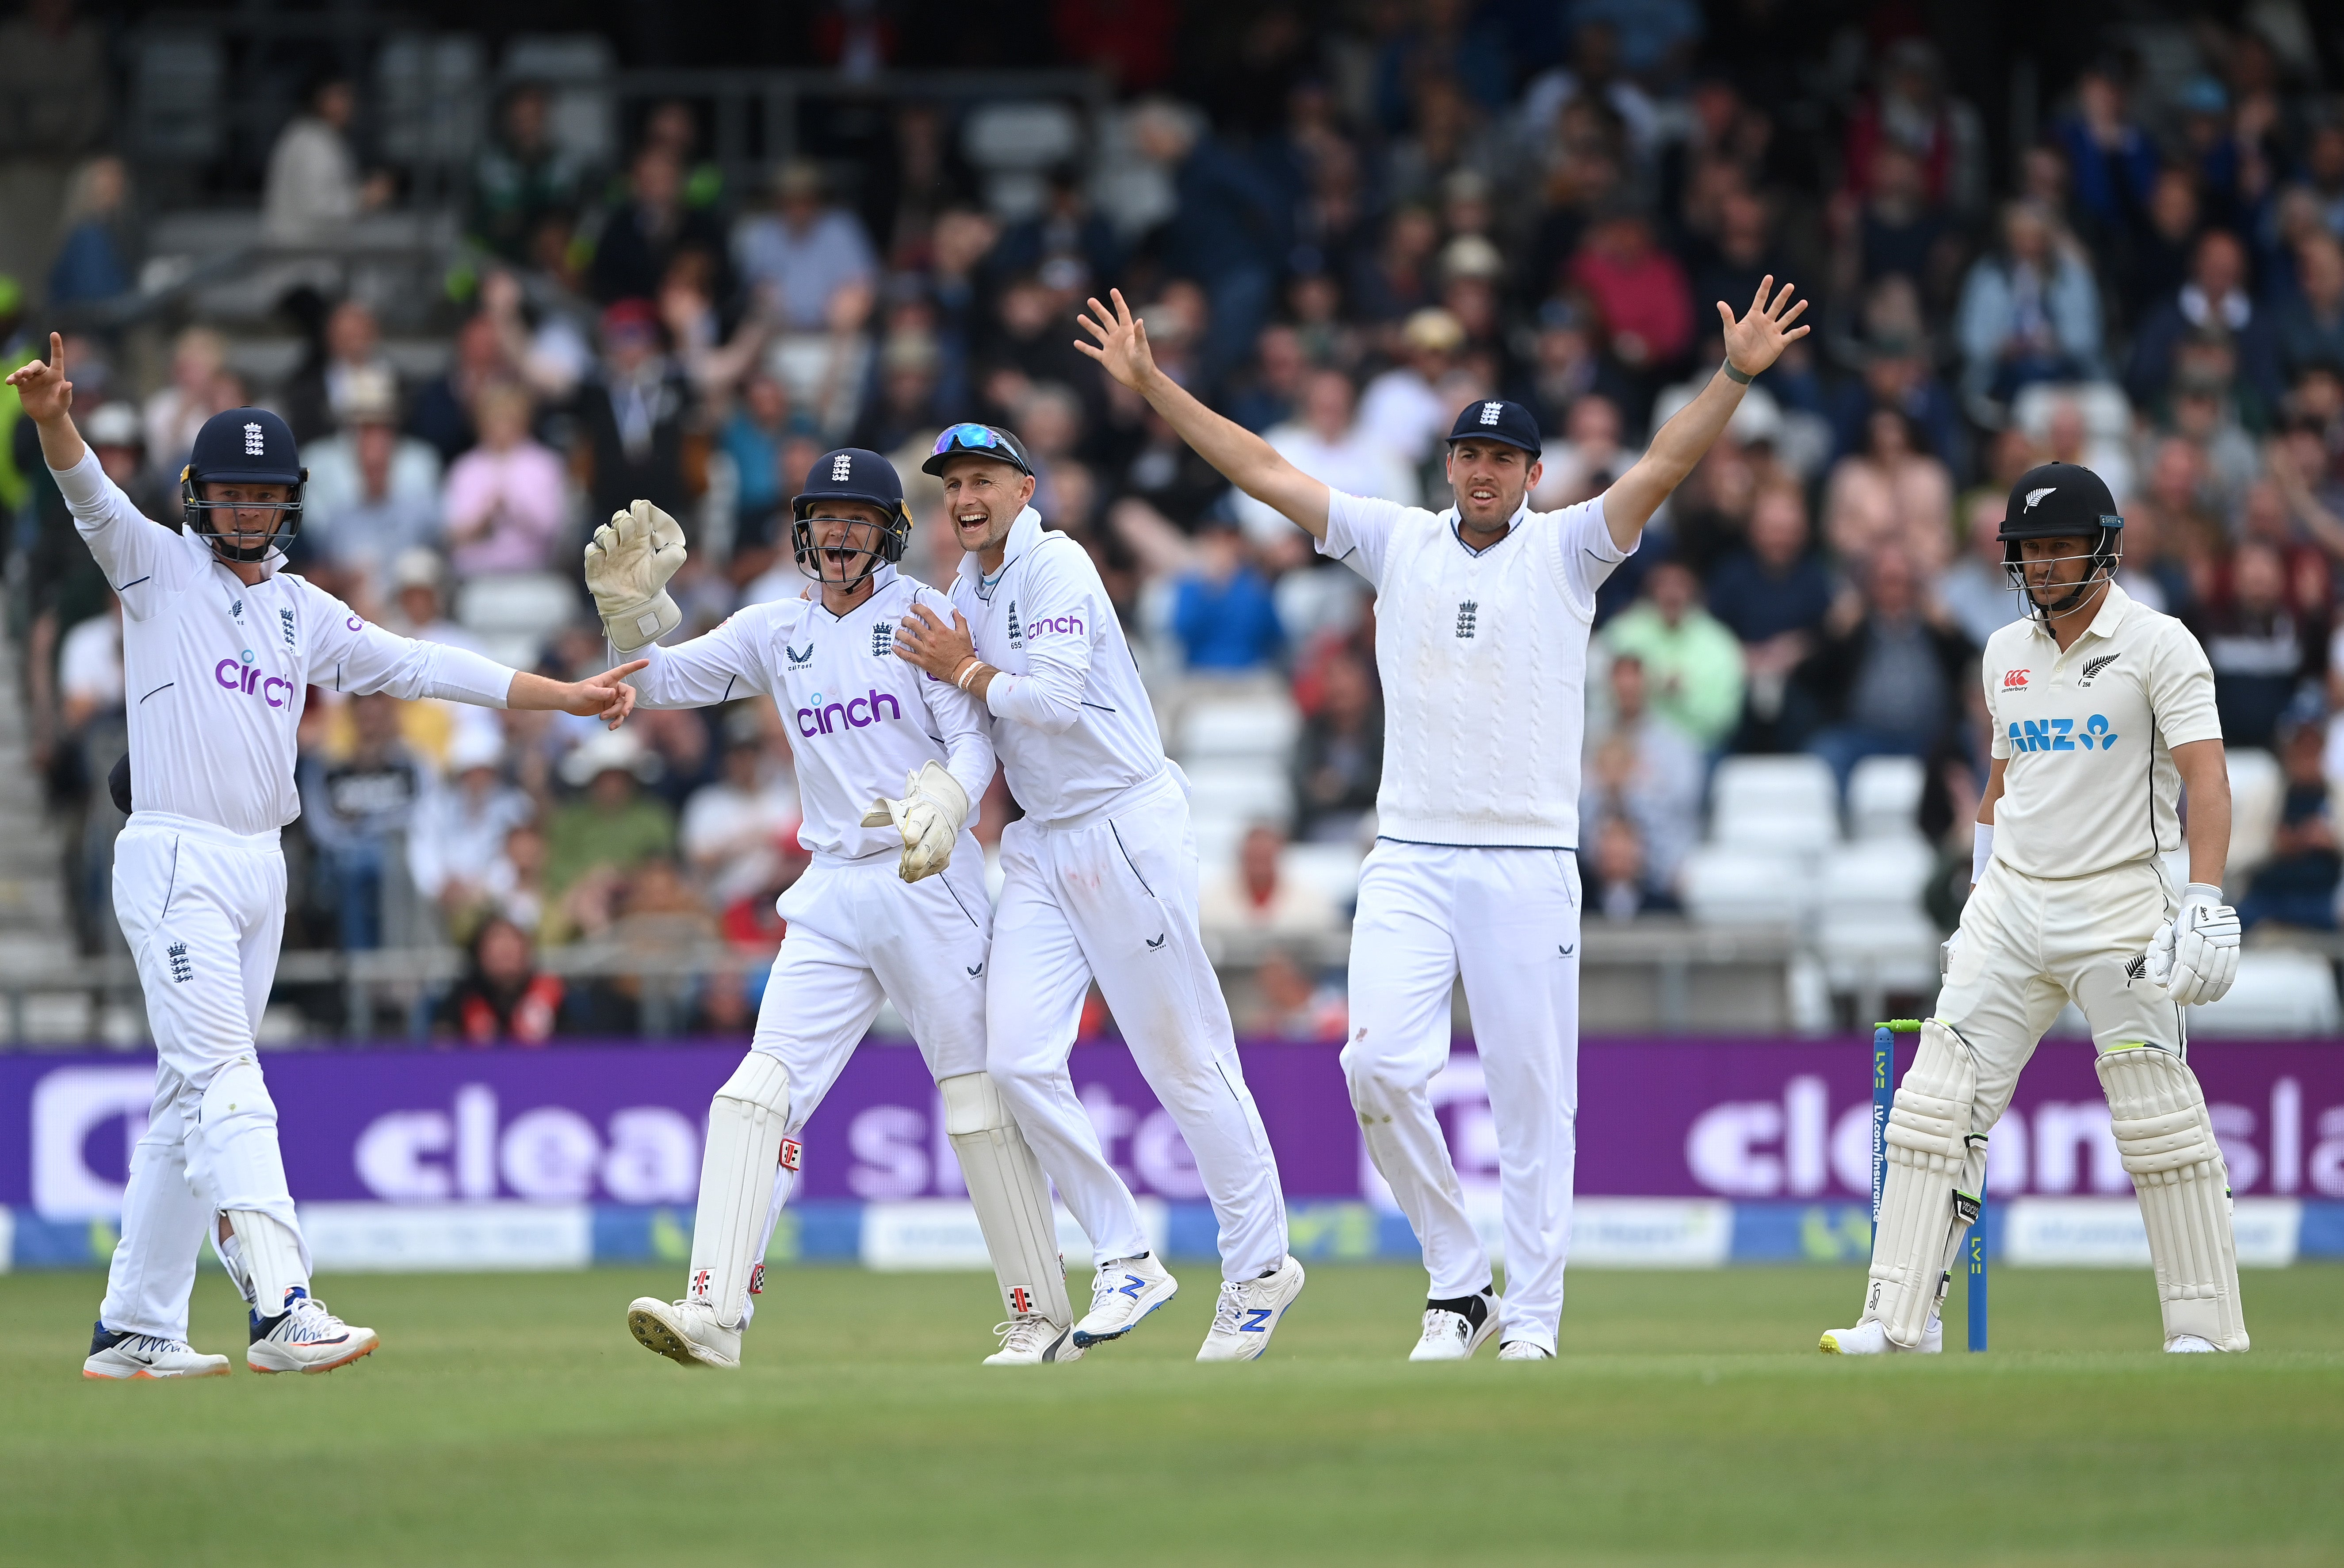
pixel 1065 625
pixel 817 721
pixel 2014 680
pixel 236 676
pixel 2062 736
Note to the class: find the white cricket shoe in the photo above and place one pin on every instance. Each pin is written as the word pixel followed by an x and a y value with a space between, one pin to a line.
pixel 305 1338
pixel 1523 1351
pixel 1029 1339
pixel 686 1332
pixel 1869 1338
pixel 2191 1345
pixel 122 1356
pixel 1125 1290
pixel 1249 1311
pixel 1453 1336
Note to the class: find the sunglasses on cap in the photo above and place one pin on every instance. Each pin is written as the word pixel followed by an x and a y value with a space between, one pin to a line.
pixel 981 440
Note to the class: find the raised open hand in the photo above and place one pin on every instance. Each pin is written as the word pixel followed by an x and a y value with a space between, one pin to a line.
pixel 43 389
pixel 1122 345
pixel 1758 340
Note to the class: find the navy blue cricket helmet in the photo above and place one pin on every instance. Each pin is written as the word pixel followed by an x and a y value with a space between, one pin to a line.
pixel 243 447
pixel 850 473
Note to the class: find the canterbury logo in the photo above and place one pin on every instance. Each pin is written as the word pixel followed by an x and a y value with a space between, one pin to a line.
pixel 2093 667
pixel 2034 495
pixel 2014 680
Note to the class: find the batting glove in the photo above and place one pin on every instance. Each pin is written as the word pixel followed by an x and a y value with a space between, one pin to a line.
pixel 628 563
pixel 2195 955
pixel 929 816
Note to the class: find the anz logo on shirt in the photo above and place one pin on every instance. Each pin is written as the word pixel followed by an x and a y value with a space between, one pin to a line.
pixel 2062 736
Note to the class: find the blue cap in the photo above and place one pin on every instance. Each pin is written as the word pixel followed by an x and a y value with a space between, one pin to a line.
pixel 851 473
pixel 977 442
pixel 1497 419
pixel 249 444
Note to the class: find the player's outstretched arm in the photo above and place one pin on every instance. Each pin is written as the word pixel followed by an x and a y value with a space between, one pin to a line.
pixel 606 696
pixel 1751 344
pixel 1244 459
pixel 47 397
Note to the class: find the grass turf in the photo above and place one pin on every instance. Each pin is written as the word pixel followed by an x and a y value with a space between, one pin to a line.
pixel 511 1419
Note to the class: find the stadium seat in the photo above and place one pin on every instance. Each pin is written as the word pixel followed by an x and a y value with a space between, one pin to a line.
pixel 432 102
pixel 1332 868
pixel 1012 144
pixel 2280 991
pixel 1731 886
pixel 2257 794
pixel 1250 729
pixel 513 614
pixel 1780 804
pixel 1247 791
pixel 1883 797
pixel 576 68
pixel 1875 934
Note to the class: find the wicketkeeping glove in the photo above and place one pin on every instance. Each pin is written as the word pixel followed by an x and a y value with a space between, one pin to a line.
pixel 929 816
pixel 2195 955
pixel 628 563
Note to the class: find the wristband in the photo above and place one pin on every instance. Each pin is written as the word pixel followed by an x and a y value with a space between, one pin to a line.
pixel 1981 850
pixel 968 672
pixel 1733 375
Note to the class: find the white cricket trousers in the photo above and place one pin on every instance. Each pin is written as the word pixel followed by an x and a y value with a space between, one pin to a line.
pixel 2028 945
pixel 1114 896
pixel 1507 921
pixel 204 911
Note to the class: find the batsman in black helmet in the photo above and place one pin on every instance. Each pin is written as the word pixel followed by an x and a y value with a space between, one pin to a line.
pixel 2102 713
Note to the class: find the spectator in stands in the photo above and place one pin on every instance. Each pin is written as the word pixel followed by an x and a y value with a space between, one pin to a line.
pixel 313 187
pixel 179 409
pixel 461 828
pixel 733 827
pixel 501 1000
pixel 633 411
pixel 611 825
pixel 515 880
pixel 2030 311
pixel 645 234
pixel 1890 672
pixel 1403 410
pixel 346 356
pixel 1270 395
pixel 1222 611
pixel 1339 760
pixel 442 411
pixel 1976 590
pixel 1582 465
pixel 1291 1004
pixel 1255 900
pixel 521 177
pixel 2297 885
pixel 1692 663
pixel 373 494
pixel 1228 230
pixel 54 83
pixel 2310 325
pixel 93 262
pixel 1647 771
pixel 910 404
pixel 1892 491
pixel 1620 884
pixel 2262 652
pixel 1067 229
pixel 507 499
pixel 797 258
pixel 2214 300
pixel 1895 231
pixel 1639 289
pixel 355 806
pixel 2112 160
pixel 1772 595
pixel 1327 442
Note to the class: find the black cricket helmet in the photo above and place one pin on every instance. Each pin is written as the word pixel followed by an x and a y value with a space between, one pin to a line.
pixel 850 473
pixel 243 447
pixel 2061 501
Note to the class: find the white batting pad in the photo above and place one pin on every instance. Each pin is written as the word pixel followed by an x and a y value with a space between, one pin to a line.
pixel 1012 1200
pixel 1933 1166
pixel 747 1123
pixel 233 1161
pixel 273 1257
pixel 2166 1139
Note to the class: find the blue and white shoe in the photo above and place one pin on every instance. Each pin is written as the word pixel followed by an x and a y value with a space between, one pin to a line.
pixel 305 1338
pixel 123 1357
pixel 1249 1313
pixel 1125 1290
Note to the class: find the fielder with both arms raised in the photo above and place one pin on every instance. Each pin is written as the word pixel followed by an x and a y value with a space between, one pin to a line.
pixel 2102 713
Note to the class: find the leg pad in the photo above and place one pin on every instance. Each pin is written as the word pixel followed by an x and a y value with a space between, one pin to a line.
pixel 1934 1169
pixel 1012 1198
pixel 2167 1137
pixel 747 1124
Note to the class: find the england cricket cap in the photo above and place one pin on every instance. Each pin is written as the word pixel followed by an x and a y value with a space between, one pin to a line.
pixel 1497 419
pixel 976 440
pixel 2058 500
pixel 851 473
pixel 252 445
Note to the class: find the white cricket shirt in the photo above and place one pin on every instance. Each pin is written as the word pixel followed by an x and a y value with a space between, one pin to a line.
pixel 2088 735
pixel 1077 732
pixel 1483 655
pixel 859 717
pixel 215 673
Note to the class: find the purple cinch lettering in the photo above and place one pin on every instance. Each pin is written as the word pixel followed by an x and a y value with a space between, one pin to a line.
pixel 806 728
pixel 852 703
pixel 828 709
pixel 896 709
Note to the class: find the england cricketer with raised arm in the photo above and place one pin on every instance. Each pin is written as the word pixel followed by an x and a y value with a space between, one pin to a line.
pixel 220 646
pixel 2102 711
pixel 1482 619
pixel 1099 881
pixel 893 906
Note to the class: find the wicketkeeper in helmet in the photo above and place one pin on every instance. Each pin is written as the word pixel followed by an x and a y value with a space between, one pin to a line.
pixel 220 648
pixel 2103 713
pixel 893 905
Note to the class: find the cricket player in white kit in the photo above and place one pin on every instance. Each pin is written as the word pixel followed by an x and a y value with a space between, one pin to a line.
pixel 2102 713
pixel 220 649
pixel 1099 881
pixel 893 905
pixel 1482 619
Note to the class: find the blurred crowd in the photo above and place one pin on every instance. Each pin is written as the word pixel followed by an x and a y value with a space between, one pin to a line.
pixel 1366 227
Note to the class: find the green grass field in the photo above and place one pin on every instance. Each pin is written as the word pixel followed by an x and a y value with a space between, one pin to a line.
pixel 510 1419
